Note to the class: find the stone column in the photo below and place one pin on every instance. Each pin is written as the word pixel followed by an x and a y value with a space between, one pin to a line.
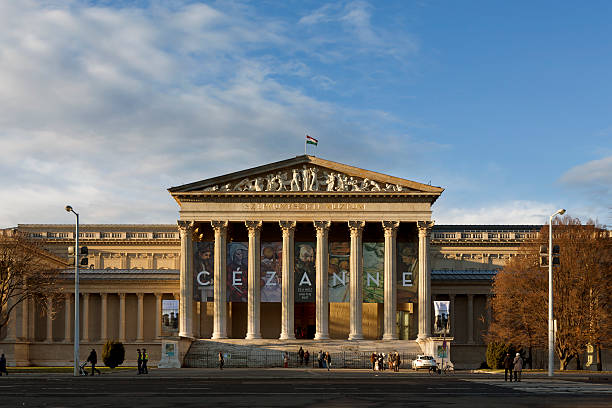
pixel 140 320
pixel 220 280
pixel 85 328
pixel 452 314
pixel 254 293
pixel 104 316
pixel 11 324
pixel 186 280
pixel 390 319
pixel 288 281
pixel 67 317
pixel 158 312
pixel 356 280
pixel 424 280
pixel 49 321
pixel 470 318
pixel 25 334
pixel 122 317
pixel 322 289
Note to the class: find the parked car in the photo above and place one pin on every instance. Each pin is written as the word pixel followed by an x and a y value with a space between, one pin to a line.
pixel 423 361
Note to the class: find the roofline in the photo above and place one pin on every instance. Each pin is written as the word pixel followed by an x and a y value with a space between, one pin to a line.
pixel 302 159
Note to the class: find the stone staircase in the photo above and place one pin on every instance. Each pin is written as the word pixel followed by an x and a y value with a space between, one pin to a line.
pixel 269 352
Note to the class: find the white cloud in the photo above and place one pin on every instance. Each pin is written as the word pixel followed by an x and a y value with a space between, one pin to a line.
pixel 512 212
pixel 105 108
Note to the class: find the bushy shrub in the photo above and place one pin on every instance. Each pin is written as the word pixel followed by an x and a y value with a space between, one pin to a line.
pixel 496 352
pixel 113 353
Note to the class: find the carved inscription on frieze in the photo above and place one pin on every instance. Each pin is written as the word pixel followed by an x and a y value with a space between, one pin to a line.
pixel 307 179
pixel 304 206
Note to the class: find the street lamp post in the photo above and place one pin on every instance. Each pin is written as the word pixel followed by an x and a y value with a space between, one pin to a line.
pixel 551 330
pixel 76 293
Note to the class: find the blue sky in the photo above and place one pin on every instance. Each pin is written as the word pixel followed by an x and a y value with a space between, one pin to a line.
pixel 106 104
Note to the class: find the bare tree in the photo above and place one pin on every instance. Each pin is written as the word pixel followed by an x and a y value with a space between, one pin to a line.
pixel 26 272
pixel 581 290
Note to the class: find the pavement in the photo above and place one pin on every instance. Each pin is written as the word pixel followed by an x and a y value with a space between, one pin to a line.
pixel 302 388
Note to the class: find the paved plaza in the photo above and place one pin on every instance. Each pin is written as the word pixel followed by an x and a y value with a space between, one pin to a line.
pixel 301 388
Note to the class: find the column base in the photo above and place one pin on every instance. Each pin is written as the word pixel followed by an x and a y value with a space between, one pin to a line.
pixel 253 336
pixel 187 335
pixel 285 336
pixel 390 337
pixel 423 337
pixel 321 336
pixel 218 336
pixel 355 336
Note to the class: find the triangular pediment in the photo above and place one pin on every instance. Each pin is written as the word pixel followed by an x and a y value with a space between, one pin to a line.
pixel 306 174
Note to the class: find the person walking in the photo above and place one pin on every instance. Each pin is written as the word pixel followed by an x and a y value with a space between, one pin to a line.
pixel 373 360
pixel 93 360
pixel 145 360
pixel 286 360
pixel 508 363
pixel 306 358
pixel 301 356
pixel 328 360
pixel 3 365
pixel 398 362
pixel 139 361
pixel 221 361
pixel 518 367
pixel 320 358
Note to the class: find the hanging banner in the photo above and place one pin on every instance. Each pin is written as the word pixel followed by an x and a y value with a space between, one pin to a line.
pixel 407 272
pixel 170 316
pixel 305 272
pixel 442 319
pixel 271 271
pixel 373 272
pixel 237 269
pixel 338 279
pixel 203 265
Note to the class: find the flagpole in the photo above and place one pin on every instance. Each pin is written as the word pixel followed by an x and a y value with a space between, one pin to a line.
pixel 305 143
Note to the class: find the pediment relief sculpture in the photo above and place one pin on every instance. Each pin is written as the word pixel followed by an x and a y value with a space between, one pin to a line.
pixel 305 179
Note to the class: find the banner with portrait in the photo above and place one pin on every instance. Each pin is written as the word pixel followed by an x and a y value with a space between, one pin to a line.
pixel 338 273
pixel 203 264
pixel 373 272
pixel 237 270
pixel 442 317
pixel 407 272
pixel 271 271
pixel 305 272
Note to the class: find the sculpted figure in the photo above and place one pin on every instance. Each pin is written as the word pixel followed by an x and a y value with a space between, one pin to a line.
pixel 314 181
pixel 352 185
pixel 375 186
pixel 365 185
pixel 243 185
pixel 258 184
pixel 226 187
pixel 341 178
pixel 295 181
pixel 286 183
pixel 305 178
pixel 270 182
pixel 331 179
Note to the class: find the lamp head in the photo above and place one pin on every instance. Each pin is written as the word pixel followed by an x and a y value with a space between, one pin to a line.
pixel 68 208
pixel 561 211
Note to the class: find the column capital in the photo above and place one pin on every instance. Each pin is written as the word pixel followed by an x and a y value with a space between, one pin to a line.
pixel 390 227
pixel 219 226
pixel 425 228
pixel 253 226
pixel 140 295
pixel 356 227
pixel 321 226
pixel 121 295
pixel 286 226
pixel 185 227
pixel 103 295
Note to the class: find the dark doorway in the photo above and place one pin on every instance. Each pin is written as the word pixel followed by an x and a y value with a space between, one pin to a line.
pixel 305 320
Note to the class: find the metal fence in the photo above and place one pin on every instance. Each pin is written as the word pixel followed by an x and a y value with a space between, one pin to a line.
pixel 275 358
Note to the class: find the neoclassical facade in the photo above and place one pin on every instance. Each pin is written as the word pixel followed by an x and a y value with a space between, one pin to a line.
pixel 303 249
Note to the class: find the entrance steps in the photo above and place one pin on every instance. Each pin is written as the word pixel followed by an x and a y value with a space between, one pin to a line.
pixel 270 352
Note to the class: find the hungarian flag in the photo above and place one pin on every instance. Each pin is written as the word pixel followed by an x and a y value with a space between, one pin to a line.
pixel 311 140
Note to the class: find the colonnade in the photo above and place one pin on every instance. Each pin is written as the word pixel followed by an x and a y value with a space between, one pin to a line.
pixel 187 304
pixel 85 314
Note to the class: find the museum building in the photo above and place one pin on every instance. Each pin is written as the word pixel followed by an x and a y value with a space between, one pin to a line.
pixel 303 251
